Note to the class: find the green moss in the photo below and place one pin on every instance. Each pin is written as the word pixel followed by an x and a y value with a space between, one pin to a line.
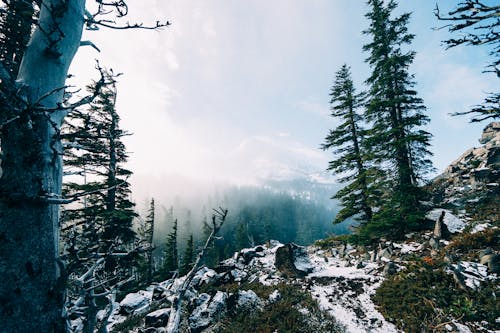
pixel 424 296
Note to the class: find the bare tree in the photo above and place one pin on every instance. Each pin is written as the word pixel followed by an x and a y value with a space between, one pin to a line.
pixel 175 313
pixel 478 23
pixel 32 108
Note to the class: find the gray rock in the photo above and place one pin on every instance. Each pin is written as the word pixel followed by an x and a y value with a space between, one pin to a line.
pixel 292 260
pixel 135 302
pixel 492 261
pixel 248 300
pixel 390 269
pixel 208 312
pixel 433 243
pixel 484 252
pixel 157 318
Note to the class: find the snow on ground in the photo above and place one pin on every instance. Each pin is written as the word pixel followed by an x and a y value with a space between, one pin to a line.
pixel 344 292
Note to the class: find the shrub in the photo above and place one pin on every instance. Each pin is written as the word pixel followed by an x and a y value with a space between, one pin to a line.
pixel 424 296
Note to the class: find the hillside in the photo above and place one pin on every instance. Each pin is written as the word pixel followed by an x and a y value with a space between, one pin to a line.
pixel 444 279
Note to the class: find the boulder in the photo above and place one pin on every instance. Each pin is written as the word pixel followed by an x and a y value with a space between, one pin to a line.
pixel 248 301
pixel 208 311
pixel 492 261
pixel 453 223
pixel 157 318
pixel 248 254
pixel 292 260
pixel 390 269
pixel 274 296
pixel 135 302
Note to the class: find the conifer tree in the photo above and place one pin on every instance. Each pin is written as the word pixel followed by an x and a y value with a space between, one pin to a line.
pixel 94 161
pixel 350 156
pixel 188 256
pixel 171 259
pixel 396 113
pixel 146 233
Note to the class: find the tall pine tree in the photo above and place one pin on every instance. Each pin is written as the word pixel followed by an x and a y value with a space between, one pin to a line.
pixel 396 113
pixel 350 156
pixel 94 165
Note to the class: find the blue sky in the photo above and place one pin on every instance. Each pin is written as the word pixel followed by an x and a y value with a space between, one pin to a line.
pixel 238 90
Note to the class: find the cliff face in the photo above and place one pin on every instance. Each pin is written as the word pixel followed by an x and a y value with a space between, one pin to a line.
pixel 470 184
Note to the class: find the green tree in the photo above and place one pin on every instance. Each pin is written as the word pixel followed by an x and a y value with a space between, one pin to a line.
pixel 171 258
pixel 146 234
pixel 396 114
pixel 187 257
pixel 94 159
pixel 350 156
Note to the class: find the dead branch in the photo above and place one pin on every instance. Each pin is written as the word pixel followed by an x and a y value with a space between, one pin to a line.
pixel 220 214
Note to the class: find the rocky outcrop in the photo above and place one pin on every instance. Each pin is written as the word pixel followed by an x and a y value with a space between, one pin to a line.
pixel 470 184
pixel 292 260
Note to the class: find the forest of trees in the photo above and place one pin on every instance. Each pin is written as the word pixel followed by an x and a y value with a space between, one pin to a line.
pixel 70 235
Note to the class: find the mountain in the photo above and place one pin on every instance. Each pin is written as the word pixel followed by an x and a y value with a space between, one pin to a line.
pixel 470 184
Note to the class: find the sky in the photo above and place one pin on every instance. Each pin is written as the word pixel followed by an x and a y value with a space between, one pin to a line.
pixel 237 91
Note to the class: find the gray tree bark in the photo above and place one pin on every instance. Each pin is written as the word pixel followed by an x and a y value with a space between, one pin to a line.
pixel 31 291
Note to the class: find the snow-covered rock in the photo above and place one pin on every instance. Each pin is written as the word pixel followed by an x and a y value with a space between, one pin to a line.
pixel 157 318
pixel 208 311
pixel 136 302
pixel 248 300
pixel 452 222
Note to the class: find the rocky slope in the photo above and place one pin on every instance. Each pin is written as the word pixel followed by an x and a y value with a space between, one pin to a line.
pixel 470 184
pixel 339 281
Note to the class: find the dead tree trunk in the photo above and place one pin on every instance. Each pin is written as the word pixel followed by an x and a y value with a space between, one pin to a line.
pixel 31 295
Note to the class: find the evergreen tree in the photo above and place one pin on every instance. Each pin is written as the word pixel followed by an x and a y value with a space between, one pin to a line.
pixel 349 152
pixel 171 258
pixel 16 22
pixel 97 154
pixel 188 256
pixel 396 139
pixel 146 233
pixel 94 159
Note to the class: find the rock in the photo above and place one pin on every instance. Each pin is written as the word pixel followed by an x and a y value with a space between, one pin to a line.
pixel 249 254
pixel 208 312
pixel 440 229
pixel 248 301
pixel 434 244
pixel 135 302
pixel 157 318
pixel 238 275
pixel 484 252
pixel 492 261
pixel 274 296
pixel 203 276
pixel 390 269
pixel 453 223
pixel 292 260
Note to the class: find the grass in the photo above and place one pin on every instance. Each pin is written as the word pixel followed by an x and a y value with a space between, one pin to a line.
pixel 295 311
pixel 424 296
